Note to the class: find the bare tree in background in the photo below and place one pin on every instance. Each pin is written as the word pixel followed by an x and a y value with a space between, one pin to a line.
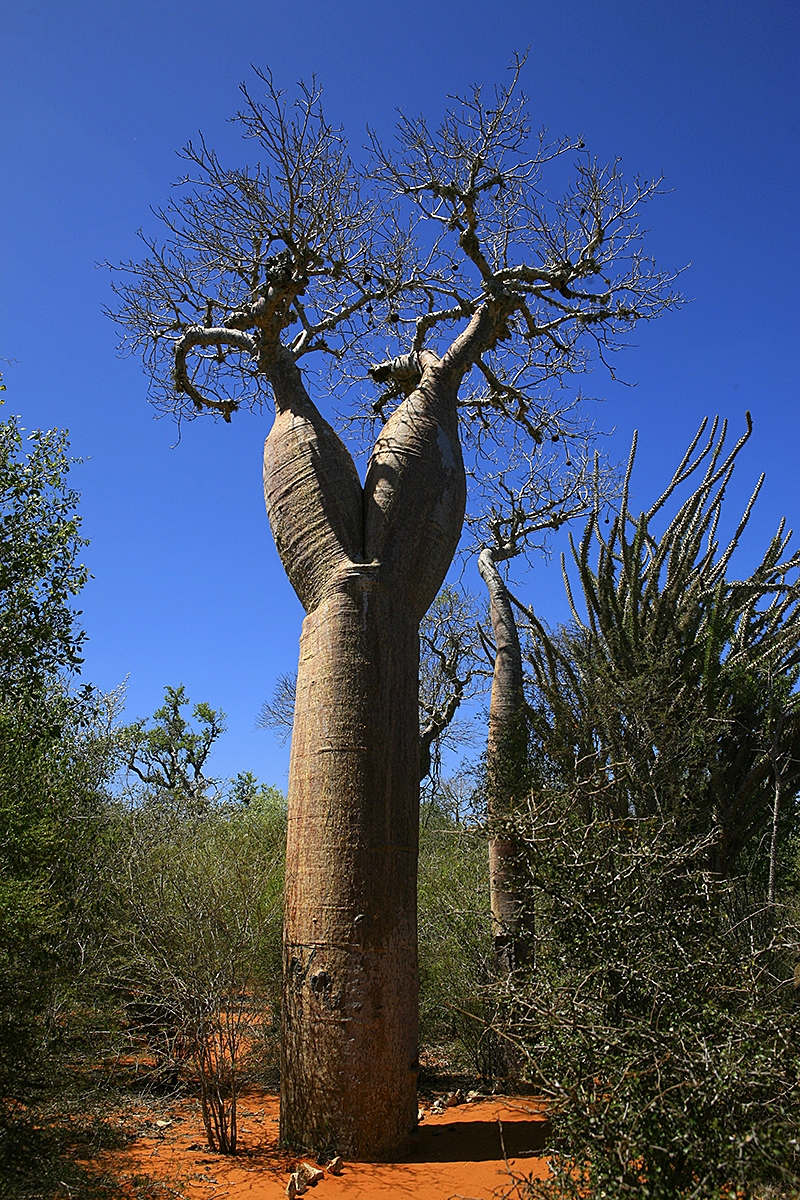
pixel 449 672
pixel 277 713
pixel 523 504
pixel 440 260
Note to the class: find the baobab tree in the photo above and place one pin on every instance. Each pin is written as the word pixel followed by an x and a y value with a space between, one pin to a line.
pixel 449 673
pixel 521 505
pixel 439 271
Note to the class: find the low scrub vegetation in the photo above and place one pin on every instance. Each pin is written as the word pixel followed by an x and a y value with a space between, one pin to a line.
pixel 658 865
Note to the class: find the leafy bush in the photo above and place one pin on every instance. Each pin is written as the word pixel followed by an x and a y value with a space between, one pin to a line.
pixel 39 569
pixel 197 915
pixel 55 755
pixel 457 1007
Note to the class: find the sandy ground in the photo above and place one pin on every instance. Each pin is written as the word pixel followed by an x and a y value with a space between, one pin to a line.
pixel 459 1153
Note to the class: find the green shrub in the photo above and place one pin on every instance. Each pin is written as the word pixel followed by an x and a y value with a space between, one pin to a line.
pixel 455 942
pixel 197 902
pixel 55 757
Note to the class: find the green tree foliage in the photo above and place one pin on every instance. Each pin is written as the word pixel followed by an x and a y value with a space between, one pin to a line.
pixel 39 568
pixel 49 761
pixel 169 757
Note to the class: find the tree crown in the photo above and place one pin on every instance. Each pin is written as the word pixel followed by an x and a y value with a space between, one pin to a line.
pixel 40 570
pixel 311 253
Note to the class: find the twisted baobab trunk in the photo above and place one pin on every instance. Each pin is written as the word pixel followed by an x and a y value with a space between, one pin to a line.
pixel 366 564
pixel 507 775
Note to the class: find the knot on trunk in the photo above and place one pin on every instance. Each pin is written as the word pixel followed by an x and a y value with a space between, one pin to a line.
pixel 404 372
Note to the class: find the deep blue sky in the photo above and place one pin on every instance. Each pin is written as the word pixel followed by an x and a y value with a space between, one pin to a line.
pixel 96 97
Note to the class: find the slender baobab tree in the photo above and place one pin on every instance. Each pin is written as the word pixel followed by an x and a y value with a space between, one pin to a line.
pixel 523 503
pixel 435 261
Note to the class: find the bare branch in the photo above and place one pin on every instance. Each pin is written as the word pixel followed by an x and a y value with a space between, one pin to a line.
pixel 278 713
pixel 449 670
pixel 195 336
pixel 449 240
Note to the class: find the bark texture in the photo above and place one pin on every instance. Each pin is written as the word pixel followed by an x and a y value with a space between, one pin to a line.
pixel 507 773
pixel 366 564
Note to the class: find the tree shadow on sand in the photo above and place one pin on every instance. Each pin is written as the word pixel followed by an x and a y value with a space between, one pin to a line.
pixel 479 1141
pixel 46 1156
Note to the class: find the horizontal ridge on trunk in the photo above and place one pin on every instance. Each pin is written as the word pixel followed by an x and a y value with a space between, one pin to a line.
pixel 351 979
pixel 366 564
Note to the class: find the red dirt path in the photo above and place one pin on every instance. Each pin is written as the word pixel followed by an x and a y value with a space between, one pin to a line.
pixel 458 1154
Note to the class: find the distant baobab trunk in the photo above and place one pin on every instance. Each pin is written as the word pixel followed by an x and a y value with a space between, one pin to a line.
pixel 366 564
pixel 507 774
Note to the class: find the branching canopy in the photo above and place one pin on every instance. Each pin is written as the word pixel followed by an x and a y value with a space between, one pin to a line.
pixel 170 756
pixel 373 263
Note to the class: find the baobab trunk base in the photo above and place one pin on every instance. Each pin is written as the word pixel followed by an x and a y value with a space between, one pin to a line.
pixel 459 1152
pixel 349 1036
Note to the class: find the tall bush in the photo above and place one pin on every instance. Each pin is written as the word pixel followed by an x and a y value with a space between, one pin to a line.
pixel 666 1037
pixel 660 1018
pixel 197 886
pixel 457 1005
pixel 54 752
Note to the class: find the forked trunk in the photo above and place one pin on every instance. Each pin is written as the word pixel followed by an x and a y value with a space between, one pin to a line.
pixel 366 563
pixel 507 774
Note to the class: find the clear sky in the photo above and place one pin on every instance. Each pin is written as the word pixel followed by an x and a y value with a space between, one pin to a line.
pixel 97 95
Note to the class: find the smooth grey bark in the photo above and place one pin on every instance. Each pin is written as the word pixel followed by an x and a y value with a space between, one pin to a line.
pixel 366 564
pixel 507 774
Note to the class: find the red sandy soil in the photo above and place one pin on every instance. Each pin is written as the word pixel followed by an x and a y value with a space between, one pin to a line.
pixel 459 1153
